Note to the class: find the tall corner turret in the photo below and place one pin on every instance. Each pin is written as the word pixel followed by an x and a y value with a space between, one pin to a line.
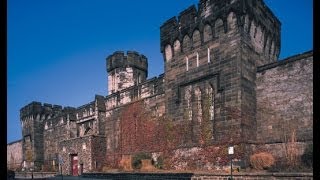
pixel 125 70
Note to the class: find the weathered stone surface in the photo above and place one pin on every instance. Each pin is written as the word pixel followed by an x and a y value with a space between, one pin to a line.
pixel 14 155
pixel 222 86
pixel 285 99
pixel 126 70
pixel 90 150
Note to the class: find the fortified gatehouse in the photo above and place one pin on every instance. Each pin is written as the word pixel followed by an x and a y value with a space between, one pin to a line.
pixel 223 84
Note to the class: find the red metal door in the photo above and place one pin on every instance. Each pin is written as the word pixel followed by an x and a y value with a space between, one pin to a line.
pixel 74 161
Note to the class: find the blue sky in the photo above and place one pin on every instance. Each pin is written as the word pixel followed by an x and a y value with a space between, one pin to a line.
pixel 56 49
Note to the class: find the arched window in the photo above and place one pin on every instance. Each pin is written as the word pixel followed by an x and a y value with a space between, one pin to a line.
pixel 168 52
pixel 232 21
pixel 46 126
pixel 139 78
pixel 188 101
pixel 218 28
pixel 198 104
pixel 252 30
pixel 186 43
pixel 196 39
pixel 207 33
pixel 113 79
pixel 87 131
pixel 84 113
pixel 267 46
pixel 271 49
pixel 246 24
pixel 210 95
pixel 176 47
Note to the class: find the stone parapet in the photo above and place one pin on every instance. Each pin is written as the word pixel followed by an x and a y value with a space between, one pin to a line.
pixel 132 59
pixel 145 89
pixel 45 109
pixel 252 16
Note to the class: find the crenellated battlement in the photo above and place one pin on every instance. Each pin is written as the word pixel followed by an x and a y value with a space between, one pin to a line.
pixel 30 109
pixel 220 77
pixel 68 109
pixel 187 16
pixel 126 70
pixel 45 109
pixel 132 59
pixel 150 87
pixel 215 17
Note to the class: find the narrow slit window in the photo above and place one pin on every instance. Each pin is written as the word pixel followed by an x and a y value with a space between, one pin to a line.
pixel 209 60
pixel 197 59
pixel 113 82
pixel 187 63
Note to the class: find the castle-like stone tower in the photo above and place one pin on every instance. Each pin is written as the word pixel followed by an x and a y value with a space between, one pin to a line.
pixel 222 85
pixel 32 119
pixel 126 70
pixel 214 51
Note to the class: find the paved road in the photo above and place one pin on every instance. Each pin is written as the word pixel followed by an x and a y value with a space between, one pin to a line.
pixel 64 178
pixel 72 178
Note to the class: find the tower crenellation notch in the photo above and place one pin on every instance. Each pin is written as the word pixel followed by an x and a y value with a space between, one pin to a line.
pixel 260 28
pixel 220 87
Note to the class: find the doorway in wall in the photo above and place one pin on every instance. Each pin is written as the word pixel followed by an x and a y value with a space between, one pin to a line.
pixel 74 165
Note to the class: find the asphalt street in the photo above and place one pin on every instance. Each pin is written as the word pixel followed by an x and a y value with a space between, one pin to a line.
pixel 62 178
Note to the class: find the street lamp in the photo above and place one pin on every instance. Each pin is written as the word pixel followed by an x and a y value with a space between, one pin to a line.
pixel 231 152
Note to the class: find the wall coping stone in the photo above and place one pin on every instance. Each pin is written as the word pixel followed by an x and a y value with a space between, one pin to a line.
pixel 285 61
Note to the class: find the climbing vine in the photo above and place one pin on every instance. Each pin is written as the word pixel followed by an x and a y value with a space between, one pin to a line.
pixel 171 140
